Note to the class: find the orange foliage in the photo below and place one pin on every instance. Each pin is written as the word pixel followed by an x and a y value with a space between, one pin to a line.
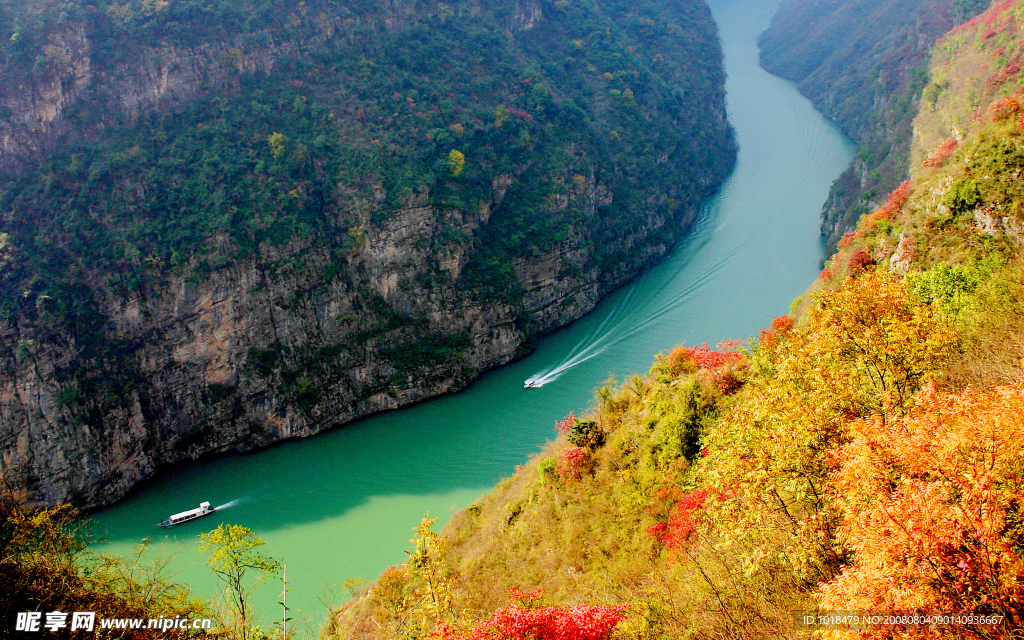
pixel 862 347
pixel 942 153
pixel 1003 108
pixel 892 207
pixel 931 505
pixel 848 238
pixel 989 17
pixel 679 361
pixel 781 326
pixel 722 368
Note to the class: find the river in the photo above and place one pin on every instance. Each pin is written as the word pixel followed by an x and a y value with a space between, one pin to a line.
pixel 343 504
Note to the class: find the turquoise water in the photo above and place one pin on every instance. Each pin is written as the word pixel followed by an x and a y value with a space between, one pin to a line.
pixel 343 504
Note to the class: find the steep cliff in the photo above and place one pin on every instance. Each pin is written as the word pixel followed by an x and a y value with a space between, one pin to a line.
pixel 224 227
pixel 863 64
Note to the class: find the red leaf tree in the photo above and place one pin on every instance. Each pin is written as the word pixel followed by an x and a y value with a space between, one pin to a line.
pixel 523 620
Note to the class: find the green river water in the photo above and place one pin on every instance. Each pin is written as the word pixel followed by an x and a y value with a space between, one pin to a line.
pixel 343 504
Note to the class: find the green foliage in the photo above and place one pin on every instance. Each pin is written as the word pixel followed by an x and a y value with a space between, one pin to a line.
pixel 780 494
pixel 235 559
pixel 45 566
pixel 679 423
pixel 963 196
pixel 318 153
pixel 586 433
pixel 548 468
pixel 425 352
pixel 953 290
pixel 865 66
pixel 968 8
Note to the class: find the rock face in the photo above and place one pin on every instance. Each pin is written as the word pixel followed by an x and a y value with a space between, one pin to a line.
pixel 268 349
pixel 109 369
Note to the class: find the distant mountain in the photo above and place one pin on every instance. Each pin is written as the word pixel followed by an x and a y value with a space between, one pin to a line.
pixel 228 224
pixel 863 63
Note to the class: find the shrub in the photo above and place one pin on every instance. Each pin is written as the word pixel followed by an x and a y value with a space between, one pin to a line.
pixel 573 462
pixel 683 520
pixel 781 326
pixel 931 507
pixel 858 260
pixel 523 620
pixel 563 426
pixel 848 238
pixel 942 153
pixel 897 197
pixel 548 468
pixel 586 433
pixel 1003 108
pixel 963 196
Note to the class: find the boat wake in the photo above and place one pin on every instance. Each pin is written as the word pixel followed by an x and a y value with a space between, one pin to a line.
pixel 620 325
pixel 228 505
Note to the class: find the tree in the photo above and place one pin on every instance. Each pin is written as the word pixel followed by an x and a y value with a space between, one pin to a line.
pixel 457 162
pixel 931 508
pixel 233 555
pixel 45 565
pixel 866 347
pixel 276 142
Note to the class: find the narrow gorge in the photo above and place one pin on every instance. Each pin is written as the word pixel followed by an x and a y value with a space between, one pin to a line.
pixel 226 227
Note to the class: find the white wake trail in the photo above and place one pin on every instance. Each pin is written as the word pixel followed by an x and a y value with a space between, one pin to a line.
pixel 599 340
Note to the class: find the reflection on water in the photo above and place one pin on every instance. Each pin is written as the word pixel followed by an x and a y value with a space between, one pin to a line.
pixel 343 504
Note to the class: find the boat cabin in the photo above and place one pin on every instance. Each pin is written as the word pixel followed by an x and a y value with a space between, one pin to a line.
pixel 202 510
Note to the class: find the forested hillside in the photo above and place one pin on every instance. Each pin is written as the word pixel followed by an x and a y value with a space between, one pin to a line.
pixel 863 454
pixel 863 64
pixel 228 224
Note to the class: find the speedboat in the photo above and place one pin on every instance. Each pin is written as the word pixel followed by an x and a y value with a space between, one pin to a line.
pixel 204 509
pixel 530 384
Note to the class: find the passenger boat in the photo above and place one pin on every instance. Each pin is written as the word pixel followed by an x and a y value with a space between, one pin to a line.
pixel 204 509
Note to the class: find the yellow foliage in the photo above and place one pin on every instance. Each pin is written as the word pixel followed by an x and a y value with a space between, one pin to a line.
pixel 500 115
pixel 456 162
pixel 121 14
pixel 276 142
pixel 863 346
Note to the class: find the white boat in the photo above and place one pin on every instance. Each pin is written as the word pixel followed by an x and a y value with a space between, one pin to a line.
pixel 204 509
pixel 530 384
